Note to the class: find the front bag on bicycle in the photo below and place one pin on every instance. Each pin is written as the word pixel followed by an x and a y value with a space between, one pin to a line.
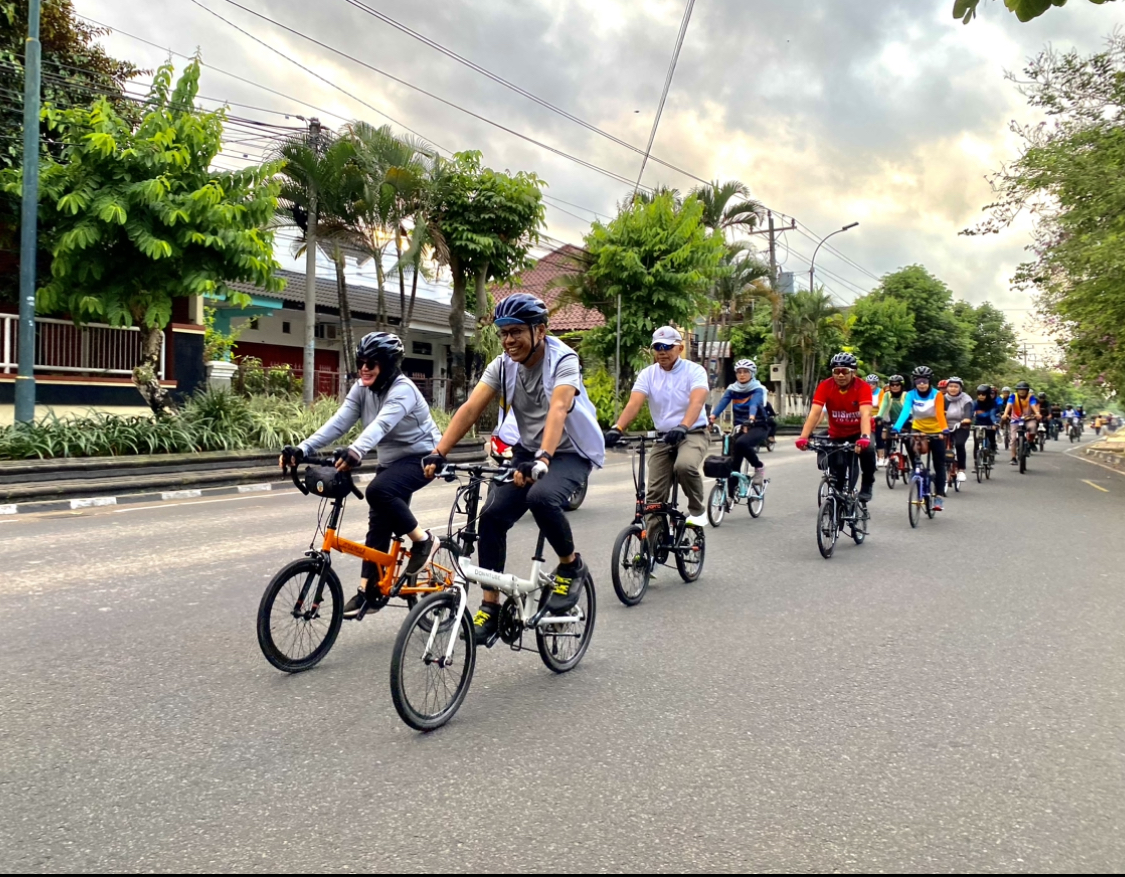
pixel 327 482
pixel 718 467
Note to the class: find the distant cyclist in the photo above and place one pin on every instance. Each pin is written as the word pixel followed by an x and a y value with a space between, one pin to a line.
pixel 925 406
pixel 396 422
pixel 985 414
pixel 848 403
pixel 889 410
pixel 876 422
pixel 747 400
pixel 1022 405
pixel 959 407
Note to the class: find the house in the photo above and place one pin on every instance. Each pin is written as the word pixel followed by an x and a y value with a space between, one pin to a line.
pixel 565 319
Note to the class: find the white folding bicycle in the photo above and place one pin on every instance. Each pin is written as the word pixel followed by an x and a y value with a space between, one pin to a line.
pixel 435 651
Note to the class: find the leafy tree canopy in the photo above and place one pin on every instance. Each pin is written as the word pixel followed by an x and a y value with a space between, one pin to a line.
pixel 1025 10
pixel 136 217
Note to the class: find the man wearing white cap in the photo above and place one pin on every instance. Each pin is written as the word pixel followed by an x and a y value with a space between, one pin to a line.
pixel 675 390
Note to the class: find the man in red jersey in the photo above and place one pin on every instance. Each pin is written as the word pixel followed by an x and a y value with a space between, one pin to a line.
pixel 848 402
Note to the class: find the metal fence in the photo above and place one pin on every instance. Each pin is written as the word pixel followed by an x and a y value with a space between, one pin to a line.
pixel 61 346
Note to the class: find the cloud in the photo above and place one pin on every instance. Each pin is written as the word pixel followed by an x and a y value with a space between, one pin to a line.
pixel 890 113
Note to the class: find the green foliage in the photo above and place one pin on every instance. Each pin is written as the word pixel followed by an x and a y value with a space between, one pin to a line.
pixel 994 341
pixel 662 259
pixel 881 330
pixel 217 346
pixel 599 387
pixel 1025 10
pixel 134 216
pixel 253 379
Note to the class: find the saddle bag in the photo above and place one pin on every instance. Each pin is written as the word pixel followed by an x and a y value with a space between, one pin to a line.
pixel 327 482
pixel 718 467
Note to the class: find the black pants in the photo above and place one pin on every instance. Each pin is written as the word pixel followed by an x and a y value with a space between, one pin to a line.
pixel 960 438
pixel 990 432
pixel 840 465
pixel 388 496
pixel 773 427
pixel 937 454
pixel 880 438
pixel 745 447
pixel 547 500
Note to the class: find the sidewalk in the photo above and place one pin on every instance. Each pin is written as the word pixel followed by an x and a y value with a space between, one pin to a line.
pixel 1109 451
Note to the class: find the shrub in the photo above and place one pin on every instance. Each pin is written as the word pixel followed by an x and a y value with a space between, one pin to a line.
pixel 599 387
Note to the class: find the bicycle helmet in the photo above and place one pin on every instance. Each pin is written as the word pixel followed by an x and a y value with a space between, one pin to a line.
pixel 386 349
pixel 896 379
pixel 845 360
pixel 873 380
pixel 923 372
pixel 1007 391
pixel 942 385
pixel 746 364
pixel 984 389
pixel 1023 385
pixel 520 309
pixel 957 381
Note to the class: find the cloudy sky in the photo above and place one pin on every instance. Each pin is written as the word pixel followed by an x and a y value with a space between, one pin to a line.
pixel 889 114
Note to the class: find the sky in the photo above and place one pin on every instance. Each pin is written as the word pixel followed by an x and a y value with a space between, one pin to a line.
pixel 887 114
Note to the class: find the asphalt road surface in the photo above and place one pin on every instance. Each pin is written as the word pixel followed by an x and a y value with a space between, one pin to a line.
pixel 949 698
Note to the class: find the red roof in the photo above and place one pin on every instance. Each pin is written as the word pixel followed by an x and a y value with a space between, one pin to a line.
pixel 563 261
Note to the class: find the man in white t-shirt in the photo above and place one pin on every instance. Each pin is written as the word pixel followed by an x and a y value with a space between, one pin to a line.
pixel 675 390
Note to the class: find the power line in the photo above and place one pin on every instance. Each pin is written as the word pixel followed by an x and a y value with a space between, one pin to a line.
pixel 667 87
pixel 400 81
pixel 811 235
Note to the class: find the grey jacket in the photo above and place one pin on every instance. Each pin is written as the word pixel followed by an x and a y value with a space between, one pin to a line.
pixel 958 408
pixel 398 422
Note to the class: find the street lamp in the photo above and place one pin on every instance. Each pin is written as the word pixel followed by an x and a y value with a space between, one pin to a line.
pixel 812 264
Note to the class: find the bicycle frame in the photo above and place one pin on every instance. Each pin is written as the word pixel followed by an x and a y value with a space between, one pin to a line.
pixel 643 507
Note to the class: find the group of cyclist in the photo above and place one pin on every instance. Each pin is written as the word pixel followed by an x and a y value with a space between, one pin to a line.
pixel 538 381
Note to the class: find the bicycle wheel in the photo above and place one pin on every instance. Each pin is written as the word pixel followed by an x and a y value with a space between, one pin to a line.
pixel 1021 452
pixel 756 500
pixel 891 472
pixel 562 645
pixel 632 566
pixel 427 687
pixel 859 525
pixel 770 442
pixel 914 506
pixel 690 554
pixel 930 510
pixel 300 615
pixel 826 528
pixel 717 504
pixel 578 497
pixel 822 491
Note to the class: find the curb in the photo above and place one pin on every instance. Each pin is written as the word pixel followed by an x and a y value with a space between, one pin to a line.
pixel 69 505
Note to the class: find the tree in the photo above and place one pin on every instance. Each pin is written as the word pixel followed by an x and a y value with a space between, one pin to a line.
pixel 483 224
pixel 326 165
pixel 994 340
pixel 940 341
pixel 814 330
pixel 882 331
pixel 135 218
pixel 1025 10
pixel 728 206
pixel 1068 178
pixel 662 259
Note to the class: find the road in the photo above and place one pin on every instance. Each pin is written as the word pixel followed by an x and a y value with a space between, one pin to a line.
pixel 950 698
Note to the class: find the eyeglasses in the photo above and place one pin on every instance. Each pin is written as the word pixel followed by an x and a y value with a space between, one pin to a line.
pixel 368 364
pixel 663 348
pixel 841 371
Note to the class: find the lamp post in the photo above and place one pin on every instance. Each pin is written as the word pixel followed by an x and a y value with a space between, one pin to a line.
pixel 812 264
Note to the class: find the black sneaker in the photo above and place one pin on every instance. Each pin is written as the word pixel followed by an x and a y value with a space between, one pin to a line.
pixel 355 605
pixel 567 588
pixel 866 492
pixel 486 625
pixel 419 553
pixel 1014 462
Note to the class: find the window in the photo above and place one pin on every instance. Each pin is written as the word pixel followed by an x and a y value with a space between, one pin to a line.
pixel 254 327
pixel 286 328
pixel 422 348
pixel 326 331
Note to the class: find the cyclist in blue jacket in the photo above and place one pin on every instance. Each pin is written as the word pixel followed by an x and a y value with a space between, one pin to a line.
pixel 747 398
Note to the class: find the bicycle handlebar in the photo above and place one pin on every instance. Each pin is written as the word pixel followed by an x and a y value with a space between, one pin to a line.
pixel 293 472
pixel 500 474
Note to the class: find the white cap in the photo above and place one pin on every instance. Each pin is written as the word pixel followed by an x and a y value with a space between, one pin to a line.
pixel 667 335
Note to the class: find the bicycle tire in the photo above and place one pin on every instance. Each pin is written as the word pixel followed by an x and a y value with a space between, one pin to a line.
pixel 756 501
pixel 690 571
pixel 552 644
pixel 826 530
pixel 1021 452
pixel 578 497
pixel 717 505
pixel 930 510
pixel 859 526
pixel 306 567
pixel 408 711
pixel 914 506
pixel 822 492
pixel 891 473
pixel 633 558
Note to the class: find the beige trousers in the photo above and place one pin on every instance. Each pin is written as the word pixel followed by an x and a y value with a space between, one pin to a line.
pixel 685 463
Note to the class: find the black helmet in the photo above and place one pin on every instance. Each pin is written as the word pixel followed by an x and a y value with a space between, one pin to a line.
pixel 923 371
pixel 845 360
pixel 386 349
pixel 520 309
pixel 1023 385
pixel 984 389
pixel 896 379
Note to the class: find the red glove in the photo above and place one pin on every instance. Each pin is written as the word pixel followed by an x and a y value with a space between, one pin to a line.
pixel 802 444
pixel 863 444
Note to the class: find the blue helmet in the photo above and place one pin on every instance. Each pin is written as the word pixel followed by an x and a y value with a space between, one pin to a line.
pixel 520 309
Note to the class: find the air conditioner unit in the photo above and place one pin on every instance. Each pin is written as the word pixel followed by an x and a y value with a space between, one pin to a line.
pixel 777 371
pixel 330 332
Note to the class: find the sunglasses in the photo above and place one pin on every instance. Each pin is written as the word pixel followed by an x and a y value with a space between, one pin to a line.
pixel 663 348
pixel 841 371
pixel 368 364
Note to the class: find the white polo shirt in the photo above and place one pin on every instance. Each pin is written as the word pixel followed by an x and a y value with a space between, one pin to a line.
pixel 669 392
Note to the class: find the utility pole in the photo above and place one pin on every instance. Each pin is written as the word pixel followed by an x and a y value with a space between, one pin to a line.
pixel 309 389
pixel 29 216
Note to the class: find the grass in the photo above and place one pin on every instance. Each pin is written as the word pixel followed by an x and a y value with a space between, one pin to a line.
pixel 212 420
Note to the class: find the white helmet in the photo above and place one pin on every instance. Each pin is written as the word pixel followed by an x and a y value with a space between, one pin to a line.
pixel 746 364
pixel 873 380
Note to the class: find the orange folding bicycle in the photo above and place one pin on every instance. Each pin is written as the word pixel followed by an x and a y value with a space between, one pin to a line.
pixel 302 608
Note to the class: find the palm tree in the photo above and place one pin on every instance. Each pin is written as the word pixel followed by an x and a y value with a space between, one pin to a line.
pixel 728 206
pixel 813 326
pixel 328 167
